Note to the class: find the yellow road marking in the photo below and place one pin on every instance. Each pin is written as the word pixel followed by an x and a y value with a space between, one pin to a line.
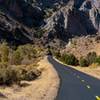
pixel 88 86
pixel 97 98
pixel 78 76
pixel 83 80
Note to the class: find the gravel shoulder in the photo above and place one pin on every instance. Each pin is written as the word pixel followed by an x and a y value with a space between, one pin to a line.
pixel 43 88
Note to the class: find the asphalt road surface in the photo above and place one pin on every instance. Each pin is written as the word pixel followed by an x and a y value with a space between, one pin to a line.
pixel 75 85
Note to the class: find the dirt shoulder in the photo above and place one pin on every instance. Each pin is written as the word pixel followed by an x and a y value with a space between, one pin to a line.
pixel 95 72
pixel 43 88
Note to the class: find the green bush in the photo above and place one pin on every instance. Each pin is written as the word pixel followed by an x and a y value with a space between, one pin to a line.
pixel 91 57
pixel 83 62
pixel 69 59
pixel 57 55
pixel 4 52
pixel 16 57
pixel 97 60
pixel 9 76
pixel 64 57
pixel 29 74
pixel 27 50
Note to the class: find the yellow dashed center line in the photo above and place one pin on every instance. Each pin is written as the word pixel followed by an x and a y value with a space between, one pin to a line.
pixel 83 80
pixel 97 97
pixel 88 86
pixel 78 76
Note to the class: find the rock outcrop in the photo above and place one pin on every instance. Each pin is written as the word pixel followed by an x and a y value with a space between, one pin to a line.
pixel 18 19
pixel 92 7
pixel 22 11
pixel 70 18
pixel 75 19
pixel 13 31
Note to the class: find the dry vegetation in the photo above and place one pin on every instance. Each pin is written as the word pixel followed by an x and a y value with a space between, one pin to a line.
pixel 93 70
pixel 87 51
pixel 14 63
pixel 24 76
pixel 43 88
pixel 81 46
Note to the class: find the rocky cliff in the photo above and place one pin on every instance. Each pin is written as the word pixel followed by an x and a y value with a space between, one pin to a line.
pixel 68 18
pixel 18 19
pixel 75 20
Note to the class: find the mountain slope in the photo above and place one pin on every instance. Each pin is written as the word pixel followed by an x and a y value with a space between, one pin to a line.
pixel 68 18
pixel 72 21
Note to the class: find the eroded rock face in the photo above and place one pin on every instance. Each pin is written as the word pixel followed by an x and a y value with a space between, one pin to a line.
pixel 92 7
pixel 17 20
pixel 73 18
pixel 23 11
pixel 77 18
pixel 13 31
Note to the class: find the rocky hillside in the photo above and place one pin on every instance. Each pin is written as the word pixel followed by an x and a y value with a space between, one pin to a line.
pixel 75 20
pixel 62 19
pixel 18 19
pixel 81 46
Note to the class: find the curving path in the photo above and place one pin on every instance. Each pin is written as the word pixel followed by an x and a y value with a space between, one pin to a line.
pixel 75 85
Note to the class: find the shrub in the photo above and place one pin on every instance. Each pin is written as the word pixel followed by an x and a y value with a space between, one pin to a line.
pixel 4 52
pixel 83 62
pixel 27 50
pixel 97 39
pixel 91 57
pixel 57 55
pixel 17 58
pixel 14 74
pixel 69 59
pixel 64 57
pixel 31 75
pixel 49 51
pixel 8 76
pixel 97 60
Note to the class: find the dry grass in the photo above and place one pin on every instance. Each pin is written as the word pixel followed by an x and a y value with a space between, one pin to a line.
pixel 92 70
pixel 43 88
pixel 81 46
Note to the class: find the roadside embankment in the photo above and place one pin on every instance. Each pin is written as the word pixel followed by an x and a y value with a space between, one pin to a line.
pixel 92 70
pixel 43 88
